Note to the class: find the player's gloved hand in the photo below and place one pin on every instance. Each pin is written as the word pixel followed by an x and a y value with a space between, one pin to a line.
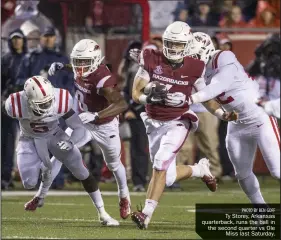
pixel 156 97
pixel 56 66
pixel 134 54
pixel 65 145
pixel 176 99
pixel 87 117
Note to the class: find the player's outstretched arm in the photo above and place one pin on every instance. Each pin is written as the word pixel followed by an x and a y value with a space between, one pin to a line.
pixel 73 121
pixel 219 84
pixel 116 100
pixel 57 66
pixel 214 108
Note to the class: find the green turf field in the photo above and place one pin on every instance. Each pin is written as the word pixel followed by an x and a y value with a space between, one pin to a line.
pixel 74 217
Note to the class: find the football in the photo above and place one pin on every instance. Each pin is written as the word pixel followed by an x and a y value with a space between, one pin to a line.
pixel 159 88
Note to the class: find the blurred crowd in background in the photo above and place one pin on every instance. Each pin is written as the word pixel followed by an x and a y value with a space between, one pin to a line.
pixel 31 42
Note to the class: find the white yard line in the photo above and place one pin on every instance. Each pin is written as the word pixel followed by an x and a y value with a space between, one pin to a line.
pixel 89 204
pixel 115 193
pixel 67 219
pixel 21 237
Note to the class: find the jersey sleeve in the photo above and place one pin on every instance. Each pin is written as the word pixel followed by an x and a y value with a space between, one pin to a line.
pixel 145 58
pixel 13 105
pixel 223 58
pixel 220 83
pixel 65 101
pixel 104 78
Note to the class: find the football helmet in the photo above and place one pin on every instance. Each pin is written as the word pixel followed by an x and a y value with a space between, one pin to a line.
pixel 40 94
pixel 203 47
pixel 85 57
pixel 177 41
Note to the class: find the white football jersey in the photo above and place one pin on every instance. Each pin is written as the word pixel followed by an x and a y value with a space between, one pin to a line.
pixel 36 126
pixel 239 91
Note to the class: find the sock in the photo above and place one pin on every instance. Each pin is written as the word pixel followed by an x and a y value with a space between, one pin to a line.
pixel 150 206
pixel 196 172
pixel 251 187
pixel 98 201
pixel 45 186
pixel 120 176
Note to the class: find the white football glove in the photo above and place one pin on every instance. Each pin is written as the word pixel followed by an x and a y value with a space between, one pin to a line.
pixel 87 117
pixel 56 66
pixel 176 99
pixel 65 145
pixel 134 54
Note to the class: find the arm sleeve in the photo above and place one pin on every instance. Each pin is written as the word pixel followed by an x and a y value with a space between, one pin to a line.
pixel 79 131
pixel 273 108
pixel 219 83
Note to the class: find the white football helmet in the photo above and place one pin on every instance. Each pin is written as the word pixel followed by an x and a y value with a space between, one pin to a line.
pixel 177 41
pixel 203 46
pixel 40 94
pixel 85 57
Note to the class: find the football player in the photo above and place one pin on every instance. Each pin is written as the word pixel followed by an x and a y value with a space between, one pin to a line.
pixel 38 108
pixel 168 119
pixel 235 90
pixel 99 104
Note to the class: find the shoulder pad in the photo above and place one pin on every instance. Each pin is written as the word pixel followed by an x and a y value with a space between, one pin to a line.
pixel 63 101
pixel 15 105
pixel 223 58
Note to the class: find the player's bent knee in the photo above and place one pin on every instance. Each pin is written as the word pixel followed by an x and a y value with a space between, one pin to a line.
pixel 170 180
pixel 160 164
pixel 29 183
pixel 113 166
pixel 81 173
pixel 242 175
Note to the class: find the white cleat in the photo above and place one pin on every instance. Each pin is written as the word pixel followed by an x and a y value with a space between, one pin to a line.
pixel 206 174
pixel 106 220
pixel 204 164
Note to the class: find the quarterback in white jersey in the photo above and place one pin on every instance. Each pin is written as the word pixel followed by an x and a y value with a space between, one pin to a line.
pixel 38 109
pixel 235 90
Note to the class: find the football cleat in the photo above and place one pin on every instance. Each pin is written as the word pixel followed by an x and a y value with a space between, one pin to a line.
pixel 140 219
pixel 106 220
pixel 125 207
pixel 207 178
pixel 34 203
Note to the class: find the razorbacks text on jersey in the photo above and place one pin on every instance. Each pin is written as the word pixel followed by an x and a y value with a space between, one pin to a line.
pixel 182 79
pixel 87 97
pixel 228 82
pixel 35 126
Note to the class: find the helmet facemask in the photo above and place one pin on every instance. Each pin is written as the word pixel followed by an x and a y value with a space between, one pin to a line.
pixel 176 50
pixel 42 107
pixel 82 67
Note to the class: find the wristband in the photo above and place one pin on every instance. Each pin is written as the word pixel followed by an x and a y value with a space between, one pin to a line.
pixel 219 113
pixel 143 99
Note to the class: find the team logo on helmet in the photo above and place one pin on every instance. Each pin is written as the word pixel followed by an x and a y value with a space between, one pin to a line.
pixel 158 70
